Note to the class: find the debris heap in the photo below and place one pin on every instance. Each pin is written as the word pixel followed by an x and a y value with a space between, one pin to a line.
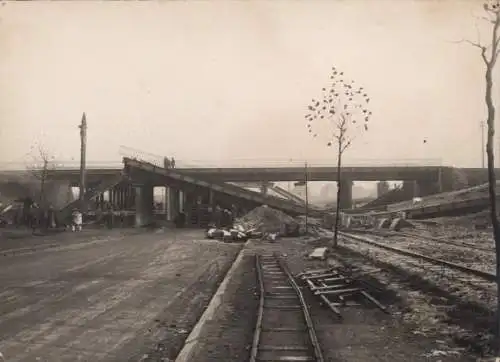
pixel 264 219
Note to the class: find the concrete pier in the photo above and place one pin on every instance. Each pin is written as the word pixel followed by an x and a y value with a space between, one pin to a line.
pixel 143 204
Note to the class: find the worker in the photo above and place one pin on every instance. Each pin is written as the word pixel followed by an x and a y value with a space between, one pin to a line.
pixel 110 215
pixel 77 221
pixel 51 218
pixel 172 163
pixel 166 162
pixel 217 215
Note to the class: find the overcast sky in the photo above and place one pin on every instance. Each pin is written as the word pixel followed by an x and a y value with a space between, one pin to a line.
pixel 230 80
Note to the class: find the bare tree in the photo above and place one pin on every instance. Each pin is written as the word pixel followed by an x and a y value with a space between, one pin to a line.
pixel 489 54
pixel 40 166
pixel 338 116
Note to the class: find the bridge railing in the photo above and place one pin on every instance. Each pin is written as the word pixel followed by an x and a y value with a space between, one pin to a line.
pixel 158 160
pixel 278 163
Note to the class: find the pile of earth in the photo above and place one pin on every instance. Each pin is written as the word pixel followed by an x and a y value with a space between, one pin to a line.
pixel 469 221
pixel 314 227
pixel 266 220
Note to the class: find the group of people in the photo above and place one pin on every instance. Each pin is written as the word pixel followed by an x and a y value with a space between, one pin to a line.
pixel 34 216
pixel 169 163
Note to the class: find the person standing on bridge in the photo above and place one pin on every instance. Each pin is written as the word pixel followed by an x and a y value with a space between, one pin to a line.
pixel 166 162
pixel 172 163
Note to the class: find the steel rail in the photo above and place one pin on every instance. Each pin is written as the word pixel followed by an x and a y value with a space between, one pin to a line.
pixel 260 313
pixel 305 310
pixel 449 242
pixel 479 273
pixel 426 238
pixel 318 355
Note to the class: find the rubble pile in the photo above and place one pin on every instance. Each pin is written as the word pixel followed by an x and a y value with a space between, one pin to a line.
pixel 266 220
pixel 227 235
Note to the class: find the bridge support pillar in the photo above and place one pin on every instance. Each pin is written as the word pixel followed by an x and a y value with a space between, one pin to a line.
pixel 131 197
pixel 143 205
pixel 112 196
pixel 410 189
pixel 211 198
pixel 122 197
pixel 382 188
pixel 173 203
pixel 426 187
pixel 345 194
pixel 117 197
pixel 189 206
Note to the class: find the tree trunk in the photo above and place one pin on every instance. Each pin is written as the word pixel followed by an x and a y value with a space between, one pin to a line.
pixel 337 212
pixel 42 185
pixel 492 189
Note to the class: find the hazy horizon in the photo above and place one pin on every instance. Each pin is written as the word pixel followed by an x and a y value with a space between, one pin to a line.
pixel 221 81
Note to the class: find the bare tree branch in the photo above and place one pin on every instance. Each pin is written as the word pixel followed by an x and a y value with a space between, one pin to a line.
pixel 343 107
pixel 492 8
pixel 477 45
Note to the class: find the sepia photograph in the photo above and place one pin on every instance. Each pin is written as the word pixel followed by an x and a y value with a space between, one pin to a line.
pixel 250 180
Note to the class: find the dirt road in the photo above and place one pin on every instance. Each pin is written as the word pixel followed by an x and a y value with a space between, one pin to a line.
pixel 111 300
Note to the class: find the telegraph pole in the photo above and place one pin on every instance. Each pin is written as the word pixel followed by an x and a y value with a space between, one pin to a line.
pixel 307 195
pixel 83 154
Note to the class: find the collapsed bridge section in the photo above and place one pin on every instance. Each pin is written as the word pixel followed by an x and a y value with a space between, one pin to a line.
pixel 187 193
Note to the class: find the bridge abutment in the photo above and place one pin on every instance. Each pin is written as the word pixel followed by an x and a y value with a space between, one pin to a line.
pixel 174 203
pixel 345 201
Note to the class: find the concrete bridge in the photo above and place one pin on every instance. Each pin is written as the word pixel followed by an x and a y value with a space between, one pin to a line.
pixel 422 180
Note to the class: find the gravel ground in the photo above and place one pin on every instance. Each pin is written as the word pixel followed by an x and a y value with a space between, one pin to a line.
pixel 435 305
pixel 364 334
pixel 446 228
pixel 472 258
pixel 228 337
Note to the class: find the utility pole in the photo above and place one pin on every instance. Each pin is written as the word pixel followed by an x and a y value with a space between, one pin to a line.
pixel 482 144
pixel 307 195
pixel 83 154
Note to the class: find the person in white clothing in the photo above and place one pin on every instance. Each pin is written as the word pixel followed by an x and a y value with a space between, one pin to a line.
pixel 76 225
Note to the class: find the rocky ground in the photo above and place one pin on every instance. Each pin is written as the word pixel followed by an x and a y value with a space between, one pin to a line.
pixel 449 305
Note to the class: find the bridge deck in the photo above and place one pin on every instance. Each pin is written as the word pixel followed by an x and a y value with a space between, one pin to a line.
pixel 241 174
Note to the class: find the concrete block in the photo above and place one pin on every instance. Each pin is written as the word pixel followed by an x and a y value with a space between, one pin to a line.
pixel 319 253
pixel 384 223
pixel 398 224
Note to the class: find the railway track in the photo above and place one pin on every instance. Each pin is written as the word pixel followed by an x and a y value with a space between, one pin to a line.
pixel 474 258
pixel 490 277
pixel 284 330
pixel 466 245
